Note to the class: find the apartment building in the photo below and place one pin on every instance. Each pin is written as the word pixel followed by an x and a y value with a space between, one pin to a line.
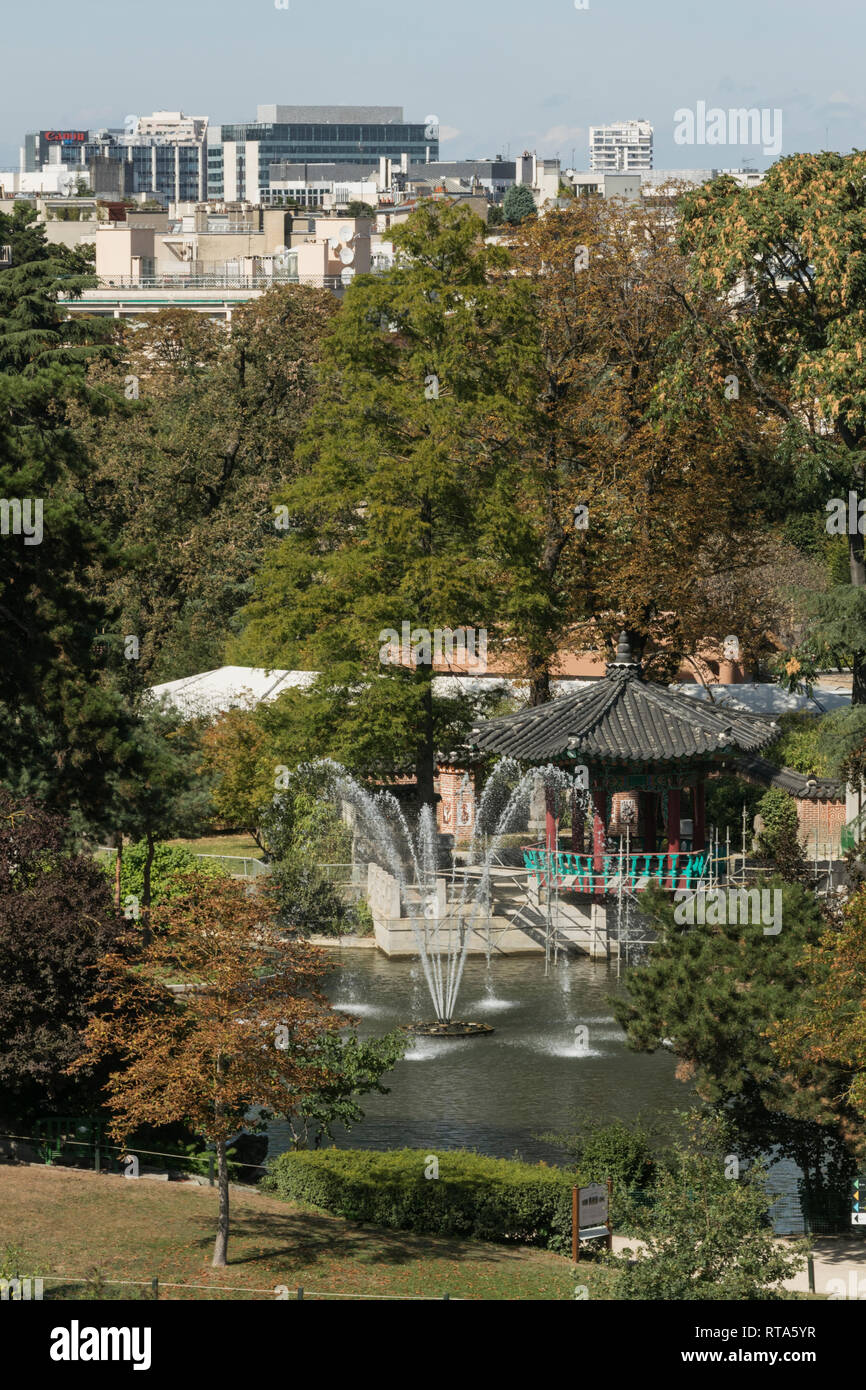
pixel 624 147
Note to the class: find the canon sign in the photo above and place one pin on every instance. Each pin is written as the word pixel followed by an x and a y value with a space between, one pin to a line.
pixel 64 137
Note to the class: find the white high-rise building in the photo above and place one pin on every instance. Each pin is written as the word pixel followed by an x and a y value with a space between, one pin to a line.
pixel 624 147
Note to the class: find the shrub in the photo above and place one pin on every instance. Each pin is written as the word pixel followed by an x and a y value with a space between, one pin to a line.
pixel 170 863
pixel 611 1150
pixel 306 901
pixel 474 1197
pixel 779 813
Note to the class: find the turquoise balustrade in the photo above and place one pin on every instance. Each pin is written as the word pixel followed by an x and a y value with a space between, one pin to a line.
pixel 576 872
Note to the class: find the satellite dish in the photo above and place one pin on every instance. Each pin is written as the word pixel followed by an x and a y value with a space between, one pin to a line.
pixel 346 232
pixel 334 243
pixel 281 251
pixel 347 255
pixel 347 275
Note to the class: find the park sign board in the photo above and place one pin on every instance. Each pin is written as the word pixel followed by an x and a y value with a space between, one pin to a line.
pixel 858 1203
pixel 592 1205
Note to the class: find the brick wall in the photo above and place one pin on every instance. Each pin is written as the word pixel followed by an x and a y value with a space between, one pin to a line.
pixel 821 822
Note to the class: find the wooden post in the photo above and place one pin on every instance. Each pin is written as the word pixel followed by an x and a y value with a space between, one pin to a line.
pixel 599 829
pixel 300 1293
pixel 154 1288
pixel 210 1169
pixel 575 1228
pixel 550 819
pixel 609 1225
pixel 699 832
pixel 673 833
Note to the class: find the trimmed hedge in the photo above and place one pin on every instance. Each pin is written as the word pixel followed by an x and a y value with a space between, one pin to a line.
pixel 474 1197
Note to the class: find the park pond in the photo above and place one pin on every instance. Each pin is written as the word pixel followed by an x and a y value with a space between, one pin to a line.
pixel 500 1093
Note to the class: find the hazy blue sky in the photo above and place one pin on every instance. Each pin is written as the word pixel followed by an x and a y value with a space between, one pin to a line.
pixel 498 73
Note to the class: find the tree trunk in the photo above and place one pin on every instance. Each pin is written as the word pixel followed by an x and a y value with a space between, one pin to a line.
pixel 425 756
pixel 145 891
pixel 857 570
pixel 221 1244
pixel 117 868
pixel 539 680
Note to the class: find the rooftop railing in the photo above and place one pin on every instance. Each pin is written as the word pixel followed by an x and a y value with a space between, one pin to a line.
pixel 213 282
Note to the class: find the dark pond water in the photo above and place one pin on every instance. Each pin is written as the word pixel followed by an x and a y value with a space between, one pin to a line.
pixel 501 1092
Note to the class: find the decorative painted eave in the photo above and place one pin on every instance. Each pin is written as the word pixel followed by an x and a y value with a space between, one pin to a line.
pixel 624 718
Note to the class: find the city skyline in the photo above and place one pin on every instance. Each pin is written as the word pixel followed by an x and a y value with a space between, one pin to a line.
pixel 498 80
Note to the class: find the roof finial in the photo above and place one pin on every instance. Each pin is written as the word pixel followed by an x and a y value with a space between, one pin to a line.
pixel 623 663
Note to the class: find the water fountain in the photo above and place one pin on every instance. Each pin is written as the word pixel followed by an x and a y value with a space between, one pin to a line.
pixel 438 905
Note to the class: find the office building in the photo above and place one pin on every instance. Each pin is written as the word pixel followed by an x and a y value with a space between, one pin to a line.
pixel 166 153
pixel 240 156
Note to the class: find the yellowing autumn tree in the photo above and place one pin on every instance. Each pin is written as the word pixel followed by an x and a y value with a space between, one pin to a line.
pixel 217 1016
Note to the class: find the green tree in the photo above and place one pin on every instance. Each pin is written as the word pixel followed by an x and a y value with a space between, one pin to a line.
pixel 418 402
pixel 159 792
pixel 783 259
pixel 829 1023
pixel 518 204
pixel 706 1233
pixel 710 991
pixel 353 1069
pixel 184 469
pixel 61 722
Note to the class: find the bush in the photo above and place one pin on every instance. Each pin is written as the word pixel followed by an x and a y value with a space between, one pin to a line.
pixel 474 1197
pixel 306 901
pixel 610 1150
pixel 170 862
pixel 778 811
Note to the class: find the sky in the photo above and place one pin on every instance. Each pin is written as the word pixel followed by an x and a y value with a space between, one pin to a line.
pixel 501 75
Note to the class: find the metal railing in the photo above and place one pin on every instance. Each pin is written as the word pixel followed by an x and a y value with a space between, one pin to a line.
pixel 587 873
pixel 214 282
pixel 255 869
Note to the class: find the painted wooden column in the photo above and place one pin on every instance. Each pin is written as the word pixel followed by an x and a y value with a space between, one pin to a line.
pixel 550 820
pixel 674 799
pixel 699 830
pixel 599 831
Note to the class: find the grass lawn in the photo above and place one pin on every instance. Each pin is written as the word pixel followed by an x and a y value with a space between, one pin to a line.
pixel 243 846
pixel 74 1223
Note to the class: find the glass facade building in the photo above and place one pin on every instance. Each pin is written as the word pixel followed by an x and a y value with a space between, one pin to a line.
pixel 239 156
pixel 175 168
